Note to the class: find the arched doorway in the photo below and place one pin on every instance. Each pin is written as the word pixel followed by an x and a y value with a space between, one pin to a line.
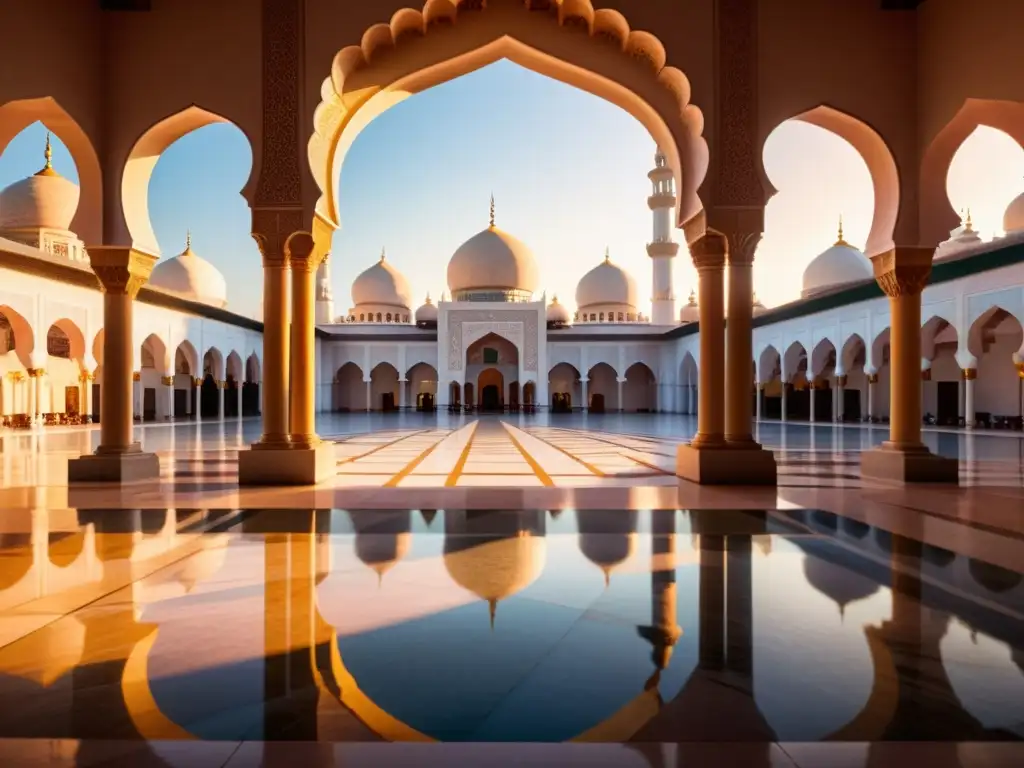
pixel 490 387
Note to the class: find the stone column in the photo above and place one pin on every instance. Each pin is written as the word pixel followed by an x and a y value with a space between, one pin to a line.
pixel 137 395
pixel 40 384
pixel 121 272
pixel 221 389
pixel 369 395
pixel 713 456
pixel 902 273
pixel 238 398
pixel 784 401
pixel 33 391
pixel 86 379
pixel 760 400
pixel 969 376
pixel 621 405
pixel 304 262
pixel 872 382
pixel 840 395
pixel 402 386
pixel 583 394
pixel 168 383
pixel 197 398
pixel 739 345
pixel 814 397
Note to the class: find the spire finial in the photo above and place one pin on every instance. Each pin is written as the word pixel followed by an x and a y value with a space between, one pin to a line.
pixel 428 298
pixel 841 240
pixel 492 210
pixel 693 298
pixel 493 609
pixel 383 255
pixel 188 239
pixel 968 224
pixel 607 254
pixel 48 153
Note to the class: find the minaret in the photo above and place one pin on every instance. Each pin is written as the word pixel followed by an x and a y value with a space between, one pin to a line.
pixel 662 249
pixel 324 293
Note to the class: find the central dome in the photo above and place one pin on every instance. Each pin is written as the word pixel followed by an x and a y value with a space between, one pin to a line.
pixel 492 261
pixel 44 201
pixel 607 284
pixel 381 285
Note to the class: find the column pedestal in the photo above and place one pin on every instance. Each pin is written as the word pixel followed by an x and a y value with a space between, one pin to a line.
pixel 118 459
pixel 902 273
pixel 298 456
pixel 724 451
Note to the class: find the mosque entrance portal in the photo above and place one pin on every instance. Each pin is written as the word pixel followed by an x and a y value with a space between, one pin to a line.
pixel 491 388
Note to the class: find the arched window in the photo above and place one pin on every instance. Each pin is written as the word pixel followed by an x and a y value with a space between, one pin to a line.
pixel 378 317
pixel 621 317
pixel 601 315
pixel 57 343
pixel 362 317
pixel 389 317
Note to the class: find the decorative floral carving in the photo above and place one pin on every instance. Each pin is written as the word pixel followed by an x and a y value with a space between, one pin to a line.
pixel 271 228
pixel 121 270
pixel 709 251
pixel 525 320
pixel 280 179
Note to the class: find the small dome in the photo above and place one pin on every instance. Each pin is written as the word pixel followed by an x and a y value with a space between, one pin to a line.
pixel 427 313
pixel 192 276
pixel 557 313
pixel 607 284
pixel 759 308
pixel 382 285
pixel 382 538
pixel 492 260
pixel 690 313
pixel 839 265
pixel 607 538
pixel 1013 218
pixel 45 201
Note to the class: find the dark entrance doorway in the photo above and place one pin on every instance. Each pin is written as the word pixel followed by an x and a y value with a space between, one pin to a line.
pixel 947 403
pixel 490 398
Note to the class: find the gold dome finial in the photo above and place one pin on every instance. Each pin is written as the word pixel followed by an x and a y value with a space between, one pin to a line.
pixel 428 298
pixel 383 255
pixel 188 240
pixel 47 169
pixel 492 210
pixel 693 298
pixel 554 299
pixel 841 240
pixel 607 254
pixel 968 224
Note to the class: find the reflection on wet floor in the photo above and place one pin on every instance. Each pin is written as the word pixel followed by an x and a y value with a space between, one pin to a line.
pixel 500 626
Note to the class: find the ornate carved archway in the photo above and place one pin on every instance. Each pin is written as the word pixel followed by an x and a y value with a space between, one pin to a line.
pixel 450 38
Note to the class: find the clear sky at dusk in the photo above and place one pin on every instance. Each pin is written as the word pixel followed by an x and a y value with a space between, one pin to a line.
pixel 568 172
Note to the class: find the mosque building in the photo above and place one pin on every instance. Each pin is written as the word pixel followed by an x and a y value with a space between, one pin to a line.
pixel 492 342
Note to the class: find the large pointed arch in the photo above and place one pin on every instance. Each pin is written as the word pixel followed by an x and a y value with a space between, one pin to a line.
pixel 418 50
pixel 17 115
pixel 937 216
pixel 135 227
pixel 881 165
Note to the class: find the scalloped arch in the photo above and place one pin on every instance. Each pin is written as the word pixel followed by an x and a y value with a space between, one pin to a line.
pixel 392 63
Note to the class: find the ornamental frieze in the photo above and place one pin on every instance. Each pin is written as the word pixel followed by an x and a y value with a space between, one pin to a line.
pixel 518 326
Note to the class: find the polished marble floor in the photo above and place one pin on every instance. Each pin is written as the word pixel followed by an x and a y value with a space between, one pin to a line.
pixel 419 637
pixel 392 617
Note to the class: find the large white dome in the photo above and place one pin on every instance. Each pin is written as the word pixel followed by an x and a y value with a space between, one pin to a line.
pixel 44 201
pixel 1013 218
pixel 382 285
pixel 836 266
pixel 607 284
pixel 192 276
pixel 492 260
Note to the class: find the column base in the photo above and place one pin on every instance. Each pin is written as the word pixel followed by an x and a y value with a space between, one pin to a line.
pixel 726 465
pixel 127 467
pixel 287 466
pixel 899 465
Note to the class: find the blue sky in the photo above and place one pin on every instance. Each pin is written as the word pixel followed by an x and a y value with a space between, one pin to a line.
pixel 568 172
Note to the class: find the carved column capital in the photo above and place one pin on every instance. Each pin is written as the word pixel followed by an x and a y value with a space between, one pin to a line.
pixel 872 378
pixel 167 381
pixel 903 271
pixel 137 376
pixel 969 374
pixel 710 251
pixel 197 382
pixel 743 226
pixel 300 251
pixel 121 270
pixel 271 228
